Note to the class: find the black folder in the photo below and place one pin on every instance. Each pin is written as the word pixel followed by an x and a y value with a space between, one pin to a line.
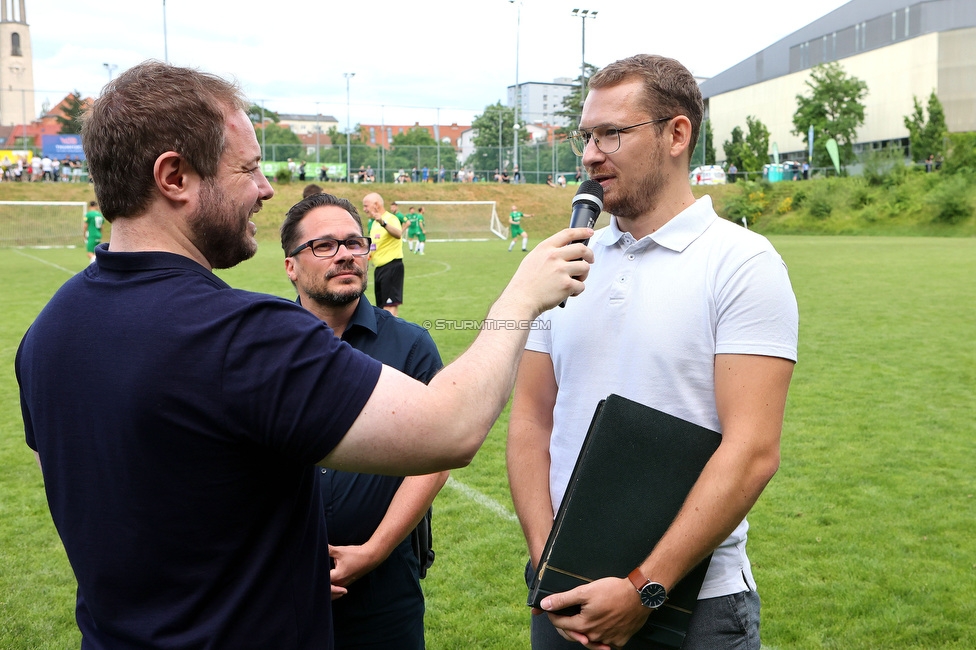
pixel 634 471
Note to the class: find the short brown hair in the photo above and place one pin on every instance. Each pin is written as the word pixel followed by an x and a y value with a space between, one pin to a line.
pixel 297 212
pixel 669 88
pixel 146 111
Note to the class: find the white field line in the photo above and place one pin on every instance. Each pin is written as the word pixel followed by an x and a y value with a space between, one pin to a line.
pixel 481 499
pixel 42 261
pixel 447 267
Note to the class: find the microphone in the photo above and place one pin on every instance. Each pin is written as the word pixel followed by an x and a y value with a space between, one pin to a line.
pixel 587 206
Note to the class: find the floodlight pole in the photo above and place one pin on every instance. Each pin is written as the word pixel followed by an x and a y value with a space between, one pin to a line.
pixel 318 130
pixel 165 39
pixel 348 76
pixel 111 67
pixel 584 14
pixel 518 98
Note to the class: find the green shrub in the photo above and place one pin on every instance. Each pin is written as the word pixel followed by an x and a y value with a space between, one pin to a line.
pixel 750 202
pixel 884 167
pixel 799 197
pixel 861 197
pixel 962 154
pixel 282 175
pixel 950 201
pixel 819 207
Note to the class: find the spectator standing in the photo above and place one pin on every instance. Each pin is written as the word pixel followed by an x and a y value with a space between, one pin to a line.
pixel 374 522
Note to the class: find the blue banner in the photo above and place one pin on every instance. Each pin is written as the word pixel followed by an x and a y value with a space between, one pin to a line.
pixel 62 146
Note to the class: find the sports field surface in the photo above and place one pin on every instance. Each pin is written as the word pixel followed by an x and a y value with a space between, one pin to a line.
pixel 866 538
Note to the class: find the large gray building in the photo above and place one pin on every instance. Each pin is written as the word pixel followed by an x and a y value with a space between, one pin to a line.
pixel 540 101
pixel 901 49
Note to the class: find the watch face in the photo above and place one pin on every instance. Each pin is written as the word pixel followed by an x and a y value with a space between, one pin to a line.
pixel 653 595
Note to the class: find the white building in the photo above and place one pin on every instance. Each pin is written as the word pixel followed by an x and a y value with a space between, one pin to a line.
pixel 307 124
pixel 901 49
pixel 540 101
pixel 16 65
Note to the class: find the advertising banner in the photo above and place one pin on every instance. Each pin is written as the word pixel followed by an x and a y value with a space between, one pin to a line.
pixel 62 146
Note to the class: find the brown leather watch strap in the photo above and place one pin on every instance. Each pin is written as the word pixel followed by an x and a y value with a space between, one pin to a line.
pixel 637 579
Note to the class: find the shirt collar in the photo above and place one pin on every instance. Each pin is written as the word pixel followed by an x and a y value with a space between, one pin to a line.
pixel 364 316
pixel 677 234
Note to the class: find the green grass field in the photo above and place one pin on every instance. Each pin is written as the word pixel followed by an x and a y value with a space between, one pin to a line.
pixel 865 539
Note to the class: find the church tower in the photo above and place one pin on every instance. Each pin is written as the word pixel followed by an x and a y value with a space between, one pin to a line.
pixel 16 65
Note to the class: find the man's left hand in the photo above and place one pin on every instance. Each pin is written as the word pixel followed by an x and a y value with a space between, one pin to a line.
pixel 610 613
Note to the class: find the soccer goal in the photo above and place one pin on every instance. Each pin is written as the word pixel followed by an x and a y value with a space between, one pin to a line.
pixel 42 223
pixel 458 220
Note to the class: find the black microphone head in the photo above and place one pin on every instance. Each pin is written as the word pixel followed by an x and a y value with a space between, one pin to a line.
pixel 590 190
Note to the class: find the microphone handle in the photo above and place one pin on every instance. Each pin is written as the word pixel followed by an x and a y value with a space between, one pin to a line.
pixel 590 222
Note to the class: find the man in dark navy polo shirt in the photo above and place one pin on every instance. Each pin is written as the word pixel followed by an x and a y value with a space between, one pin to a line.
pixel 372 519
pixel 190 512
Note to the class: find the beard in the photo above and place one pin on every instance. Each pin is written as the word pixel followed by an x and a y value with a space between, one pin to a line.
pixel 221 229
pixel 342 296
pixel 642 196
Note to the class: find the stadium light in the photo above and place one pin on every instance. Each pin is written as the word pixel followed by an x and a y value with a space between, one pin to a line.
pixel 318 130
pixel 348 76
pixel 165 39
pixel 584 14
pixel 518 99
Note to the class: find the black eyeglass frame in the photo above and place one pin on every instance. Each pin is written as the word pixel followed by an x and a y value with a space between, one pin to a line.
pixel 338 242
pixel 580 138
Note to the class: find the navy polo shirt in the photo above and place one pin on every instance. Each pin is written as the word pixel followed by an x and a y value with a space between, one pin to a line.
pixel 356 503
pixel 178 421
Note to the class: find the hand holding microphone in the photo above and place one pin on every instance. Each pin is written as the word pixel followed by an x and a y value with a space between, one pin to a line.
pixel 587 206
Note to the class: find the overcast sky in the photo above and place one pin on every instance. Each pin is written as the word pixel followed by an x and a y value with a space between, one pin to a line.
pixel 413 61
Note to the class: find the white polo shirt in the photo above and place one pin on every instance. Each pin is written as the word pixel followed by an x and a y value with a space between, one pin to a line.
pixel 654 314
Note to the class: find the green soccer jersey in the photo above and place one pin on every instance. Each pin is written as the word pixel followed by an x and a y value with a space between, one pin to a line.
pixel 94 220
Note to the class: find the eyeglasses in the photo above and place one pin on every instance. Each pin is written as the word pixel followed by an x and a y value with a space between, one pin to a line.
pixel 326 247
pixel 607 139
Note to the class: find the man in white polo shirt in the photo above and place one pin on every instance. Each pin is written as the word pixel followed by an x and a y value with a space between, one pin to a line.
pixel 685 312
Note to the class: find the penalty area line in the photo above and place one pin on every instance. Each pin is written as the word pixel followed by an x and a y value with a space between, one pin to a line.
pixel 481 499
pixel 43 261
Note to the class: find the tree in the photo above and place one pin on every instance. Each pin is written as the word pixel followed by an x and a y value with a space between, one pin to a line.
pixel 490 145
pixel 704 153
pixel 418 148
pixel 287 144
pixel 256 113
pixel 734 149
pixel 573 104
pixel 926 137
pixel 751 152
pixel 73 109
pixel 756 152
pixel 834 109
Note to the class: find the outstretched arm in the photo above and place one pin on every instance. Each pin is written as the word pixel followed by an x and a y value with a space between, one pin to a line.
pixel 425 429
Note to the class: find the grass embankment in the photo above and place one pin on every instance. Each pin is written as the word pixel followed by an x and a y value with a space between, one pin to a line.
pixel 896 204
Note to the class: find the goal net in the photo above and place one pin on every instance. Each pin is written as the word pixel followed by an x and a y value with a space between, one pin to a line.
pixel 458 220
pixel 42 223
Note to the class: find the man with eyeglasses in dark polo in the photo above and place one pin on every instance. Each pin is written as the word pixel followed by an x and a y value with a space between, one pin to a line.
pixel 379 526
pixel 702 324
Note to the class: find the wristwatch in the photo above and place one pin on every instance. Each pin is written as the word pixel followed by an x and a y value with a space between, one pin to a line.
pixel 652 594
pixel 383 223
